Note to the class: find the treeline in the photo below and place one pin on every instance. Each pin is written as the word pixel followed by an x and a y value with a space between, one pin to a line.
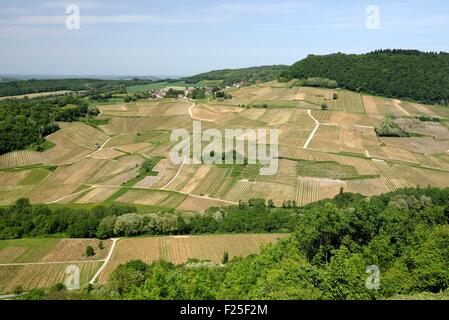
pixel 403 74
pixel 26 122
pixel 404 234
pixel 316 82
pixel 231 76
pixel 25 220
pixel 93 86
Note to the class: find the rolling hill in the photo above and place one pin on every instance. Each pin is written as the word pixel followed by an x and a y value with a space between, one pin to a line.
pixel 404 74
pixel 230 76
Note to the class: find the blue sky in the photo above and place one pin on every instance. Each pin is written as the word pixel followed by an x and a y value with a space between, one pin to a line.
pixel 182 37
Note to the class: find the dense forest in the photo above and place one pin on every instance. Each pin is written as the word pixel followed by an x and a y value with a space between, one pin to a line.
pixel 250 75
pixel 403 74
pixel 25 220
pixel 26 122
pixel 405 234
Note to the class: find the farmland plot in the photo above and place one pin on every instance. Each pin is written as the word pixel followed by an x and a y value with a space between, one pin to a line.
pixel 179 249
pixel 25 250
pixel 74 250
pixel 42 276
pixel 164 199
pixel 20 159
pixel 307 190
pixel 192 203
pixel 212 181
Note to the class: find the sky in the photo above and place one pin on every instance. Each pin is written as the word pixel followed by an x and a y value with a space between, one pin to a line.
pixel 185 37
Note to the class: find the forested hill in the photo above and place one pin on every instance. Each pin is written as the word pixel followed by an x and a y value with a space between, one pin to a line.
pixel 230 76
pixel 22 87
pixel 404 74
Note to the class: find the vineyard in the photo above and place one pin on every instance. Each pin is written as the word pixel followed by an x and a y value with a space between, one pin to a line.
pixel 307 190
pixel 91 165
pixel 179 249
pixel 165 199
pixel 20 159
pixel 42 276
pixel 42 263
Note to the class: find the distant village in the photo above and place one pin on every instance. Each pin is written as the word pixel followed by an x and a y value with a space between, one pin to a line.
pixel 195 93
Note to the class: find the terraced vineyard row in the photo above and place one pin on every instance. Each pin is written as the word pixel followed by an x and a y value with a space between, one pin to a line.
pixel 20 159
pixel 213 181
pixel 179 249
pixel 391 178
pixel 307 190
pixel 242 190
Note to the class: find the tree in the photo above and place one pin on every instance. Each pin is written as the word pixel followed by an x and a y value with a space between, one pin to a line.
pixel 129 225
pixel 101 245
pixel 335 96
pixel 58 287
pixel 324 106
pixel 18 290
pixel 225 258
pixel 128 275
pixel 106 227
pixel 388 128
pixel 90 251
pixel 270 204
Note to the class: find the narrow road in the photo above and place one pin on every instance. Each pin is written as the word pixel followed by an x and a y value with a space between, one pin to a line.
pixel 195 118
pixel 176 175
pixel 317 126
pixel 106 261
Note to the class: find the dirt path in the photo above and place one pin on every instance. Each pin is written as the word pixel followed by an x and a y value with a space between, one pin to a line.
pixel 397 104
pixel 71 195
pixel 106 261
pixel 208 198
pixel 176 175
pixel 195 118
pixel 317 126
pixel 191 110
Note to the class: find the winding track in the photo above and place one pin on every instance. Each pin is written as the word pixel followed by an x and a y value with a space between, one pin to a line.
pixel 106 261
pixel 317 126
